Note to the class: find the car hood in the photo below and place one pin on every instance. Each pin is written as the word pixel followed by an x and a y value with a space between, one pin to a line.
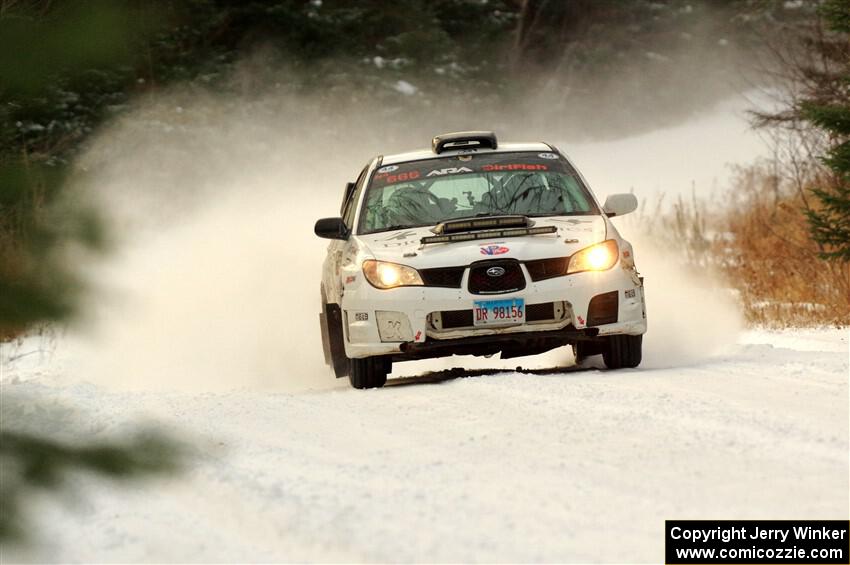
pixel 404 246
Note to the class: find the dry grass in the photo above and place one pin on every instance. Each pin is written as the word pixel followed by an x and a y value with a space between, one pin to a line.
pixel 756 239
pixel 782 279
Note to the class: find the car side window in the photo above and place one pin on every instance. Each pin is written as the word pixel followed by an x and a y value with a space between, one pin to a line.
pixel 349 208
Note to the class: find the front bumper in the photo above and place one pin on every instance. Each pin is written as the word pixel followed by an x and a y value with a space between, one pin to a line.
pixel 406 322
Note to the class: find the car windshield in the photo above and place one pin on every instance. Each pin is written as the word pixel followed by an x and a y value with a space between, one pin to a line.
pixel 425 193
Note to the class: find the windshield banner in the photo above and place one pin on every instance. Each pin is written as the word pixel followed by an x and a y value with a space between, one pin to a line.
pixel 467 164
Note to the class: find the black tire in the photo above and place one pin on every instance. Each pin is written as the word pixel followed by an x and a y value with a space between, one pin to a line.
pixel 622 351
pixel 370 372
pixel 333 342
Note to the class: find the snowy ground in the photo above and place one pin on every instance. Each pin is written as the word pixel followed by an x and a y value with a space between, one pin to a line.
pixel 574 465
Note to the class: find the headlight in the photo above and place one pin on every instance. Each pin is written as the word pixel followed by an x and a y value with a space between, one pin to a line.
pixel 390 275
pixel 599 257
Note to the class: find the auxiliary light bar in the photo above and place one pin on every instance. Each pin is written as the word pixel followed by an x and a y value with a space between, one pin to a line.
pixel 489 234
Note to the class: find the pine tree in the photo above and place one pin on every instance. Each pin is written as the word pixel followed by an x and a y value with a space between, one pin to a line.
pixel 830 223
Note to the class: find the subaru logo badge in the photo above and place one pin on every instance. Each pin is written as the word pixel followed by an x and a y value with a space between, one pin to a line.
pixel 495 271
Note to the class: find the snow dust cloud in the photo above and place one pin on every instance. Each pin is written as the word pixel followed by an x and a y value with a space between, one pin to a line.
pixel 213 283
pixel 691 316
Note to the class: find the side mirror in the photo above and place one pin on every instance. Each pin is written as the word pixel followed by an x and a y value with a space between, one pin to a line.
pixel 331 228
pixel 620 204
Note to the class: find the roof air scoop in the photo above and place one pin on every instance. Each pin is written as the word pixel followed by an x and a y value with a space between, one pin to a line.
pixel 464 140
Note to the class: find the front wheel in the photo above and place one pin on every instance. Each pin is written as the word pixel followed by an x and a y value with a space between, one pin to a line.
pixel 370 372
pixel 622 351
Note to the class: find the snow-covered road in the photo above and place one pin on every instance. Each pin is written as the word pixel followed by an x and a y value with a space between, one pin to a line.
pixel 574 465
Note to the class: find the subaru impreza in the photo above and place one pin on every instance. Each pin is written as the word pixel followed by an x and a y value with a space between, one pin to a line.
pixel 475 247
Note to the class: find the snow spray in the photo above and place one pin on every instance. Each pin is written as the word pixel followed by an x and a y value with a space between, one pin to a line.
pixel 214 282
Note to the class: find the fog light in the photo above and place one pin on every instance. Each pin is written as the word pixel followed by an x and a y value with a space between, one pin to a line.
pixel 603 309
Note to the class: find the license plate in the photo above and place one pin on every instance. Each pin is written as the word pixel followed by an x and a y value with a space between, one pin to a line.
pixel 498 312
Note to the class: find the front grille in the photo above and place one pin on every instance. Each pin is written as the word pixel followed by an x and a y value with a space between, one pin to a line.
pixel 496 277
pixel 456 319
pixel 446 277
pixel 543 269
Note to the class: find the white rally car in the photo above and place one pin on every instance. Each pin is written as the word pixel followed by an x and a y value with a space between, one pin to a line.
pixel 476 248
